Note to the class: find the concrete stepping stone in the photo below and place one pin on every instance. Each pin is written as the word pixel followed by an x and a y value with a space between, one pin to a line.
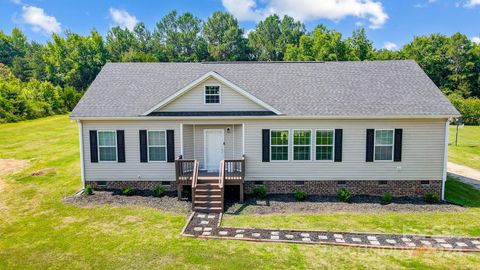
pixel 373 242
pixel 238 235
pixel 411 244
pixel 305 235
pixel 478 247
pixel 306 239
pixel 256 235
pixel 322 237
pixel 201 215
pixel 475 242
pixel 223 233
pixel 289 236
pixel 206 233
pixel 204 222
pixel 275 233
pixel 440 240
pixel 340 240
pixel 372 238
pixel 404 239
pixel 461 244
pixel 274 237
pixel 198 229
pixel 207 229
pixel 356 239
pixel 337 235
pixel 240 231
pixel 211 216
pixel 391 241
pixel 446 245
pixel 427 243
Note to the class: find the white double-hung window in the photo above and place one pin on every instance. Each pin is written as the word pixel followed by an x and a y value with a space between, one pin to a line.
pixel 384 139
pixel 279 144
pixel 212 94
pixel 157 148
pixel 302 141
pixel 107 145
pixel 324 141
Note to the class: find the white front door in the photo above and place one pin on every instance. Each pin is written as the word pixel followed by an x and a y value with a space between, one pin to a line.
pixel 214 147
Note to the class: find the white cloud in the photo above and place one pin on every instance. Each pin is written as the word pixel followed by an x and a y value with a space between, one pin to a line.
pixel 40 21
pixel 307 10
pixel 390 46
pixel 247 32
pixel 123 18
pixel 476 40
pixel 472 3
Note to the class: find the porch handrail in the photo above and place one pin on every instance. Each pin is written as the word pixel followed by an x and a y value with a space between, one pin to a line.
pixel 194 181
pixel 234 169
pixel 221 182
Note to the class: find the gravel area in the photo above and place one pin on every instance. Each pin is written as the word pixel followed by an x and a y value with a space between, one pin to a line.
pixel 276 204
pixel 168 203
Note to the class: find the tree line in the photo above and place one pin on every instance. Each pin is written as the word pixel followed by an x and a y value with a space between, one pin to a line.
pixel 43 79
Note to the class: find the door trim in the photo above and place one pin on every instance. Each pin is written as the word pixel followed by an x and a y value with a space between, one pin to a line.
pixel 205 145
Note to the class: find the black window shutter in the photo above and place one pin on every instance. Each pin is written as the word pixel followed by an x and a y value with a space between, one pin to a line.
pixel 170 146
pixel 338 144
pixel 93 146
pixel 397 152
pixel 265 145
pixel 143 146
pixel 370 142
pixel 121 146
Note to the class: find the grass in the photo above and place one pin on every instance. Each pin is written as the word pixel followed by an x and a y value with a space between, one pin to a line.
pixel 467 151
pixel 38 231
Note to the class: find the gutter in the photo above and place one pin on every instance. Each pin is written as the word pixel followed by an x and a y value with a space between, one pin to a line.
pixel 82 163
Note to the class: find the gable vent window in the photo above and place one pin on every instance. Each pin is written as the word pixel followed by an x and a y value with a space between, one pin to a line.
pixel 384 144
pixel 212 94
pixel 107 145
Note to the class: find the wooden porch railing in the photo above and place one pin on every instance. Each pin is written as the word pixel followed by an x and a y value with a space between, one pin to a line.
pixel 221 183
pixel 186 172
pixel 194 182
pixel 232 171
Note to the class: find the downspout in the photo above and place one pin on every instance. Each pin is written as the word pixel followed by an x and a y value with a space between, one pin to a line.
pixel 82 162
pixel 445 160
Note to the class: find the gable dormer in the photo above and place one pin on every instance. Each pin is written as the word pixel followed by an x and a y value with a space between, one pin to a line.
pixel 211 94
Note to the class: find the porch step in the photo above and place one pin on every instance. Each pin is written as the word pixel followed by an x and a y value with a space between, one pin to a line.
pixel 207 185
pixel 208 178
pixel 208 191
pixel 208 209
pixel 201 197
pixel 208 203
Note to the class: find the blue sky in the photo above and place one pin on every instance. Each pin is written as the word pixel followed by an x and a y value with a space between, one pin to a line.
pixel 389 23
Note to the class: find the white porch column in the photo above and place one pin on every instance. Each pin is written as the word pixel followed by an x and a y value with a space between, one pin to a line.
pixel 243 138
pixel 82 162
pixel 181 139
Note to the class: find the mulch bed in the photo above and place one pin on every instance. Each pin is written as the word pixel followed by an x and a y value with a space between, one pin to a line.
pixel 278 204
pixel 168 203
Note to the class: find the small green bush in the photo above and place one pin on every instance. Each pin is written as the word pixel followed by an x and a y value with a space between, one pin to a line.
pixel 127 191
pixel 431 197
pixel 387 197
pixel 260 192
pixel 344 195
pixel 159 191
pixel 88 190
pixel 300 196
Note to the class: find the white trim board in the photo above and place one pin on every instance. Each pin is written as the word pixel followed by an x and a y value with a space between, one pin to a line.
pixel 211 74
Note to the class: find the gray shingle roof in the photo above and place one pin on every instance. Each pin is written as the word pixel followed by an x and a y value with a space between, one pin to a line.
pixel 374 88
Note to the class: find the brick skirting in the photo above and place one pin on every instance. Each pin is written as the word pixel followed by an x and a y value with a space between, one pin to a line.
pixel 359 187
pixel 140 185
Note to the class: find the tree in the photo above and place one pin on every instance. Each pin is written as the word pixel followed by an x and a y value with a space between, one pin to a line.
pixel 181 37
pixel 270 38
pixel 361 48
pixel 224 38
pixel 119 41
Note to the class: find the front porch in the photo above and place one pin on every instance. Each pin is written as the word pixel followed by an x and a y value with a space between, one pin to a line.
pixel 212 157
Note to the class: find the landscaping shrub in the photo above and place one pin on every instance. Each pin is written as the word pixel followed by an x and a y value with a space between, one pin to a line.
pixel 431 197
pixel 128 191
pixel 88 190
pixel 260 192
pixel 344 195
pixel 159 191
pixel 300 196
pixel 387 197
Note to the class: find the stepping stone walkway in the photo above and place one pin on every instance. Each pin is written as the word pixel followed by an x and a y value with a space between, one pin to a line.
pixel 207 226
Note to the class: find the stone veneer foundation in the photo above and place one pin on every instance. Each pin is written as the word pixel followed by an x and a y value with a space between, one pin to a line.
pixel 358 187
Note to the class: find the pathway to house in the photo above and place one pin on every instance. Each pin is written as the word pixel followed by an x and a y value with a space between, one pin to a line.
pixel 207 225
pixel 465 174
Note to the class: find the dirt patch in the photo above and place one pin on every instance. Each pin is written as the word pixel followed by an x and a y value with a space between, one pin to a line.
pixel 164 204
pixel 278 204
pixel 11 165
pixel 44 171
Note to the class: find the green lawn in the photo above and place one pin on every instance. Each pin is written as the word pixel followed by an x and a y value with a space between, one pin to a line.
pixel 38 231
pixel 467 151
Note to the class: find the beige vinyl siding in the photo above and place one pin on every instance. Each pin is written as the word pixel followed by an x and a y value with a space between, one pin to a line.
pixel 194 100
pixel 422 150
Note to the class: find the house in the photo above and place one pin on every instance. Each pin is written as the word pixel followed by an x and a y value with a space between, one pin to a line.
pixel 370 127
